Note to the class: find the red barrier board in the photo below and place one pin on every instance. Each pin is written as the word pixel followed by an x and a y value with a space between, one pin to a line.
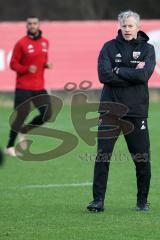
pixel 74 49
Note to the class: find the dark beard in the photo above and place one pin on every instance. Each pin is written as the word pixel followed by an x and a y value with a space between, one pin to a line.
pixel 35 36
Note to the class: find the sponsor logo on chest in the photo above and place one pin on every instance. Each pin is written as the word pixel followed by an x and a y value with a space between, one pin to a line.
pixel 136 55
pixel 31 48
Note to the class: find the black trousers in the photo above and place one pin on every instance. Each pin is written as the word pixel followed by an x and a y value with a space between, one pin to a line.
pixel 1 158
pixel 138 143
pixel 22 106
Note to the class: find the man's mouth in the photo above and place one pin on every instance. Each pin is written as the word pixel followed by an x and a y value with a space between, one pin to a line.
pixel 127 35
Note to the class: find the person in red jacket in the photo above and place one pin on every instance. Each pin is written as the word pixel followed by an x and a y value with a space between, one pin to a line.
pixel 29 60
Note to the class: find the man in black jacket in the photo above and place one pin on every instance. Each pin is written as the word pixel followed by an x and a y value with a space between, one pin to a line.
pixel 125 65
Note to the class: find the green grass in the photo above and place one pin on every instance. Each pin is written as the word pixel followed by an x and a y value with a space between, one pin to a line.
pixel 58 213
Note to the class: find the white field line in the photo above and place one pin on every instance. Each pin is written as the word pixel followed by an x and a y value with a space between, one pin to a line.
pixel 53 185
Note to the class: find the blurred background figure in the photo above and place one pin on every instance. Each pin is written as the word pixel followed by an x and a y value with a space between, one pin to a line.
pixel 29 60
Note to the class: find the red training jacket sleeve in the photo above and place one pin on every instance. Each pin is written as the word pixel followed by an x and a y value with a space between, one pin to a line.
pixel 15 63
pixel 46 59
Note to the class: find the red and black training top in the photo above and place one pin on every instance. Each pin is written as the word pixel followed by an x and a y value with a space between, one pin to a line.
pixel 30 51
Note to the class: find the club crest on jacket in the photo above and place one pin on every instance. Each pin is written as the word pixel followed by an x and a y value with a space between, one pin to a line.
pixel 136 55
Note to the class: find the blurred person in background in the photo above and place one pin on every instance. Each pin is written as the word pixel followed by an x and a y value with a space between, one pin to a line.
pixel 29 60
pixel 125 65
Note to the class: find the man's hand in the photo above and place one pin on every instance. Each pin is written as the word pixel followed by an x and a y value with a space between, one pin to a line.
pixel 32 69
pixel 140 65
pixel 49 65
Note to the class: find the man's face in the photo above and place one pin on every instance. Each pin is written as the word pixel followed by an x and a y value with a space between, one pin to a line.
pixel 129 28
pixel 33 25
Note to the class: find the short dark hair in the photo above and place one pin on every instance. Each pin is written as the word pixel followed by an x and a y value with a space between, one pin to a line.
pixel 33 16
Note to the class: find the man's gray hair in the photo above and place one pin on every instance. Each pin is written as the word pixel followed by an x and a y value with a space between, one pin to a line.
pixel 126 14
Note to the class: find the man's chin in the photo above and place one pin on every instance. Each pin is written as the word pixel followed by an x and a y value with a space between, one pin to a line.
pixel 34 32
pixel 128 38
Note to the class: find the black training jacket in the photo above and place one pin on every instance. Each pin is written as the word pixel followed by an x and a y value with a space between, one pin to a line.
pixel 130 85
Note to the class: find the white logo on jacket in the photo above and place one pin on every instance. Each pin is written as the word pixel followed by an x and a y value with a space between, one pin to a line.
pixel 44 47
pixel 136 55
pixel 118 58
pixel 44 44
pixel 118 55
pixel 30 48
pixel 143 127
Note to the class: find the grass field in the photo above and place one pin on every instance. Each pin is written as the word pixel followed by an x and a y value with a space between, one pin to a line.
pixel 40 200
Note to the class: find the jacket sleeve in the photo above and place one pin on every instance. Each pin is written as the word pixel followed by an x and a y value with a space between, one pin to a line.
pixel 46 58
pixel 139 76
pixel 15 63
pixel 105 71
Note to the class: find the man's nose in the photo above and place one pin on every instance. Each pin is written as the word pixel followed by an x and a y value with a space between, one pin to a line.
pixel 127 29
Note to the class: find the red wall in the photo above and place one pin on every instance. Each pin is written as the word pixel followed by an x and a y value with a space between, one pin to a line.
pixel 74 48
